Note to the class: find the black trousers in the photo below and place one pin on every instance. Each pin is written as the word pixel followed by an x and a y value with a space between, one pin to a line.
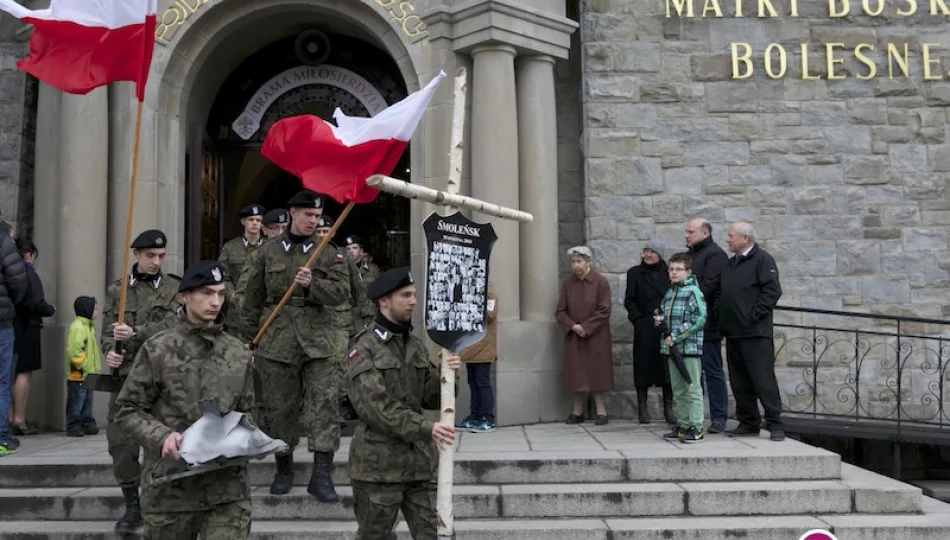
pixel 752 376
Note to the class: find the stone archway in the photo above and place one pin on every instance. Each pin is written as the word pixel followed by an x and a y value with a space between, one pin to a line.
pixel 187 74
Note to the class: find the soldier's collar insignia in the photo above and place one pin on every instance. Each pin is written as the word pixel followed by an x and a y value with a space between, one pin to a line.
pixel 307 247
pixel 287 245
pixel 383 334
pixel 132 280
pixel 157 282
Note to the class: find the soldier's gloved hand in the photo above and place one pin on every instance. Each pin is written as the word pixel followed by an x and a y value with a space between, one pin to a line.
pixel 443 435
pixel 303 277
pixel 114 359
pixel 171 445
pixel 122 332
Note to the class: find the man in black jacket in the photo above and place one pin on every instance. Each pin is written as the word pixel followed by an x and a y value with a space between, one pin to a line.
pixel 750 291
pixel 709 260
pixel 13 287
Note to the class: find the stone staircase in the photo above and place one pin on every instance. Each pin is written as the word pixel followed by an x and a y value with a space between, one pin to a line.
pixel 547 482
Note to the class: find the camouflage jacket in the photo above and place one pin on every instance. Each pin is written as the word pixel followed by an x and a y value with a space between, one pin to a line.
pixel 344 315
pixel 149 309
pixel 391 380
pixel 234 255
pixel 174 372
pixel 364 309
pixel 304 323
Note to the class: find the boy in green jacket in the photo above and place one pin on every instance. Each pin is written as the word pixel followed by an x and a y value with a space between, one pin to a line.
pixel 84 357
pixel 685 314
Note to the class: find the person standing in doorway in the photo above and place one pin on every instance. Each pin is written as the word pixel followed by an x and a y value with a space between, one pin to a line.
pixel 709 260
pixel 27 327
pixel 478 360
pixel 583 314
pixel 750 292
pixel 150 306
pixel 646 285
pixel 14 283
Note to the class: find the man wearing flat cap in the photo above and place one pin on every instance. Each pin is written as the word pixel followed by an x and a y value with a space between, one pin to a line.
pixel 394 453
pixel 275 222
pixel 178 375
pixel 234 255
pixel 150 306
pixel 295 356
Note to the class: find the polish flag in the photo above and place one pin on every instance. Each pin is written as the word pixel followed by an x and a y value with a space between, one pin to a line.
pixel 337 160
pixel 80 45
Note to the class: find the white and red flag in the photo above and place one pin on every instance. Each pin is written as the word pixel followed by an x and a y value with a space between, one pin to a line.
pixel 80 45
pixel 337 160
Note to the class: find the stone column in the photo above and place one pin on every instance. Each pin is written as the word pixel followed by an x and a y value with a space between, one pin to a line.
pixel 495 164
pixel 83 227
pixel 537 148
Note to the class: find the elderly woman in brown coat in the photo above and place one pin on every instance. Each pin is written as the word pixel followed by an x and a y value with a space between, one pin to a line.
pixel 583 314
pixel 478 360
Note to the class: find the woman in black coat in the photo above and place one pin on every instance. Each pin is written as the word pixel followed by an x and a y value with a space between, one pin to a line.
pixel 646 285
pixel 26 345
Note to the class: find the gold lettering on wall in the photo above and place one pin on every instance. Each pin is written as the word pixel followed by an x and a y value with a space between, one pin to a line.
pixel 402 13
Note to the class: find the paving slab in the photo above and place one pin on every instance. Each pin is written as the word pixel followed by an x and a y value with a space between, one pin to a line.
pixel 591 500
pixel 896 527
pixel 711 463
pixel 878 494
pixel 766 498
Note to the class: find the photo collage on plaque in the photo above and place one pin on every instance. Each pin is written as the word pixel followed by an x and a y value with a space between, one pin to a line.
pixel 458 279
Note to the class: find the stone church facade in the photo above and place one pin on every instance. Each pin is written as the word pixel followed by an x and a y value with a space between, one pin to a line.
pixel 612 121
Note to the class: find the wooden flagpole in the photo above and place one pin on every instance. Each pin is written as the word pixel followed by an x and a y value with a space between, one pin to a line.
pixel 445 516
pixel 123 289
pixel 310 262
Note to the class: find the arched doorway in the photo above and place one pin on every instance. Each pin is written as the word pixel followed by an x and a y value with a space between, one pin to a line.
pixel 284 79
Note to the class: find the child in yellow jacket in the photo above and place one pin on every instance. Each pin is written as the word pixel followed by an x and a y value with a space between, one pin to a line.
pixel 84 357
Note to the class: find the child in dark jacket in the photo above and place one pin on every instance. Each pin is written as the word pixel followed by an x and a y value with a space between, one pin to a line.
pixel 684 315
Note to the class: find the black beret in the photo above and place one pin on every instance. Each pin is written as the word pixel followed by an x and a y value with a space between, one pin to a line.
pixel 306 199
pixel 277 215
pixel 153 239
pixel 352 239
pixel 252 210
pixel 389 281
pixel 324 221
pixel 200 274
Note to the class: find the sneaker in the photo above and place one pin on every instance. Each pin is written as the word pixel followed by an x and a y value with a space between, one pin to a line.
pixel 466 424
pixel 9 447
pixel 677 433
pixel 692 435
pixel 483 427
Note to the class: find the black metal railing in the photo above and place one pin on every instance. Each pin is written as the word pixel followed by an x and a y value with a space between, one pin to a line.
pixel 863 369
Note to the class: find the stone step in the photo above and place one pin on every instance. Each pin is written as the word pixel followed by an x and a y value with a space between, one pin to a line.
pixel 798 462
pixel 893 527
pixel 857 494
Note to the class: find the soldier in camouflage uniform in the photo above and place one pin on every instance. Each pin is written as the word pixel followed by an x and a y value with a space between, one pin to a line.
pixel 178 373
pixel 365 310
pixel 295 355
pixel 275 222
pixel 234 255
pixel 150 306
pixel 393 456
pixel 342 315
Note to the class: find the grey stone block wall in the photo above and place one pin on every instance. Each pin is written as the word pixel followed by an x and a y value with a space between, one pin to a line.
pixel 18 94
pixel 845 181
pixel 568 81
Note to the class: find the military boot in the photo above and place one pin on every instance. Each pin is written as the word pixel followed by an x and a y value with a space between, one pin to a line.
pixel 321 483
pixel 284 478
pixel 132 519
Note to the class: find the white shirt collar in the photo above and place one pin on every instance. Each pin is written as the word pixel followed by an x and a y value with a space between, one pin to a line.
pixel 746 252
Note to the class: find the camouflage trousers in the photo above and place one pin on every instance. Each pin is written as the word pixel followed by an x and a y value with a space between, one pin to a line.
pixel 377 505
pixel 124 451
pixel 225 522
pixel 310 385
pixel 341 342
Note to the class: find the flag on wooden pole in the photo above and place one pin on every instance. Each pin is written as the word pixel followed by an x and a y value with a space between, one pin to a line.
pixel 337 160
pixel 80 45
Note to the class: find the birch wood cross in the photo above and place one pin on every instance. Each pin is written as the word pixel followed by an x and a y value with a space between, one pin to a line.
pixel 452 202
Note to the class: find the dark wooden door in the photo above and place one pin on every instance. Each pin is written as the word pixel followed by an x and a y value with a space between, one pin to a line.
pixel 203 199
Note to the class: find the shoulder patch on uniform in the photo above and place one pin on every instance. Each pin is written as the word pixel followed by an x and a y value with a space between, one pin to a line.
pixel 339 257
pixel 353 354
pixel 383 334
